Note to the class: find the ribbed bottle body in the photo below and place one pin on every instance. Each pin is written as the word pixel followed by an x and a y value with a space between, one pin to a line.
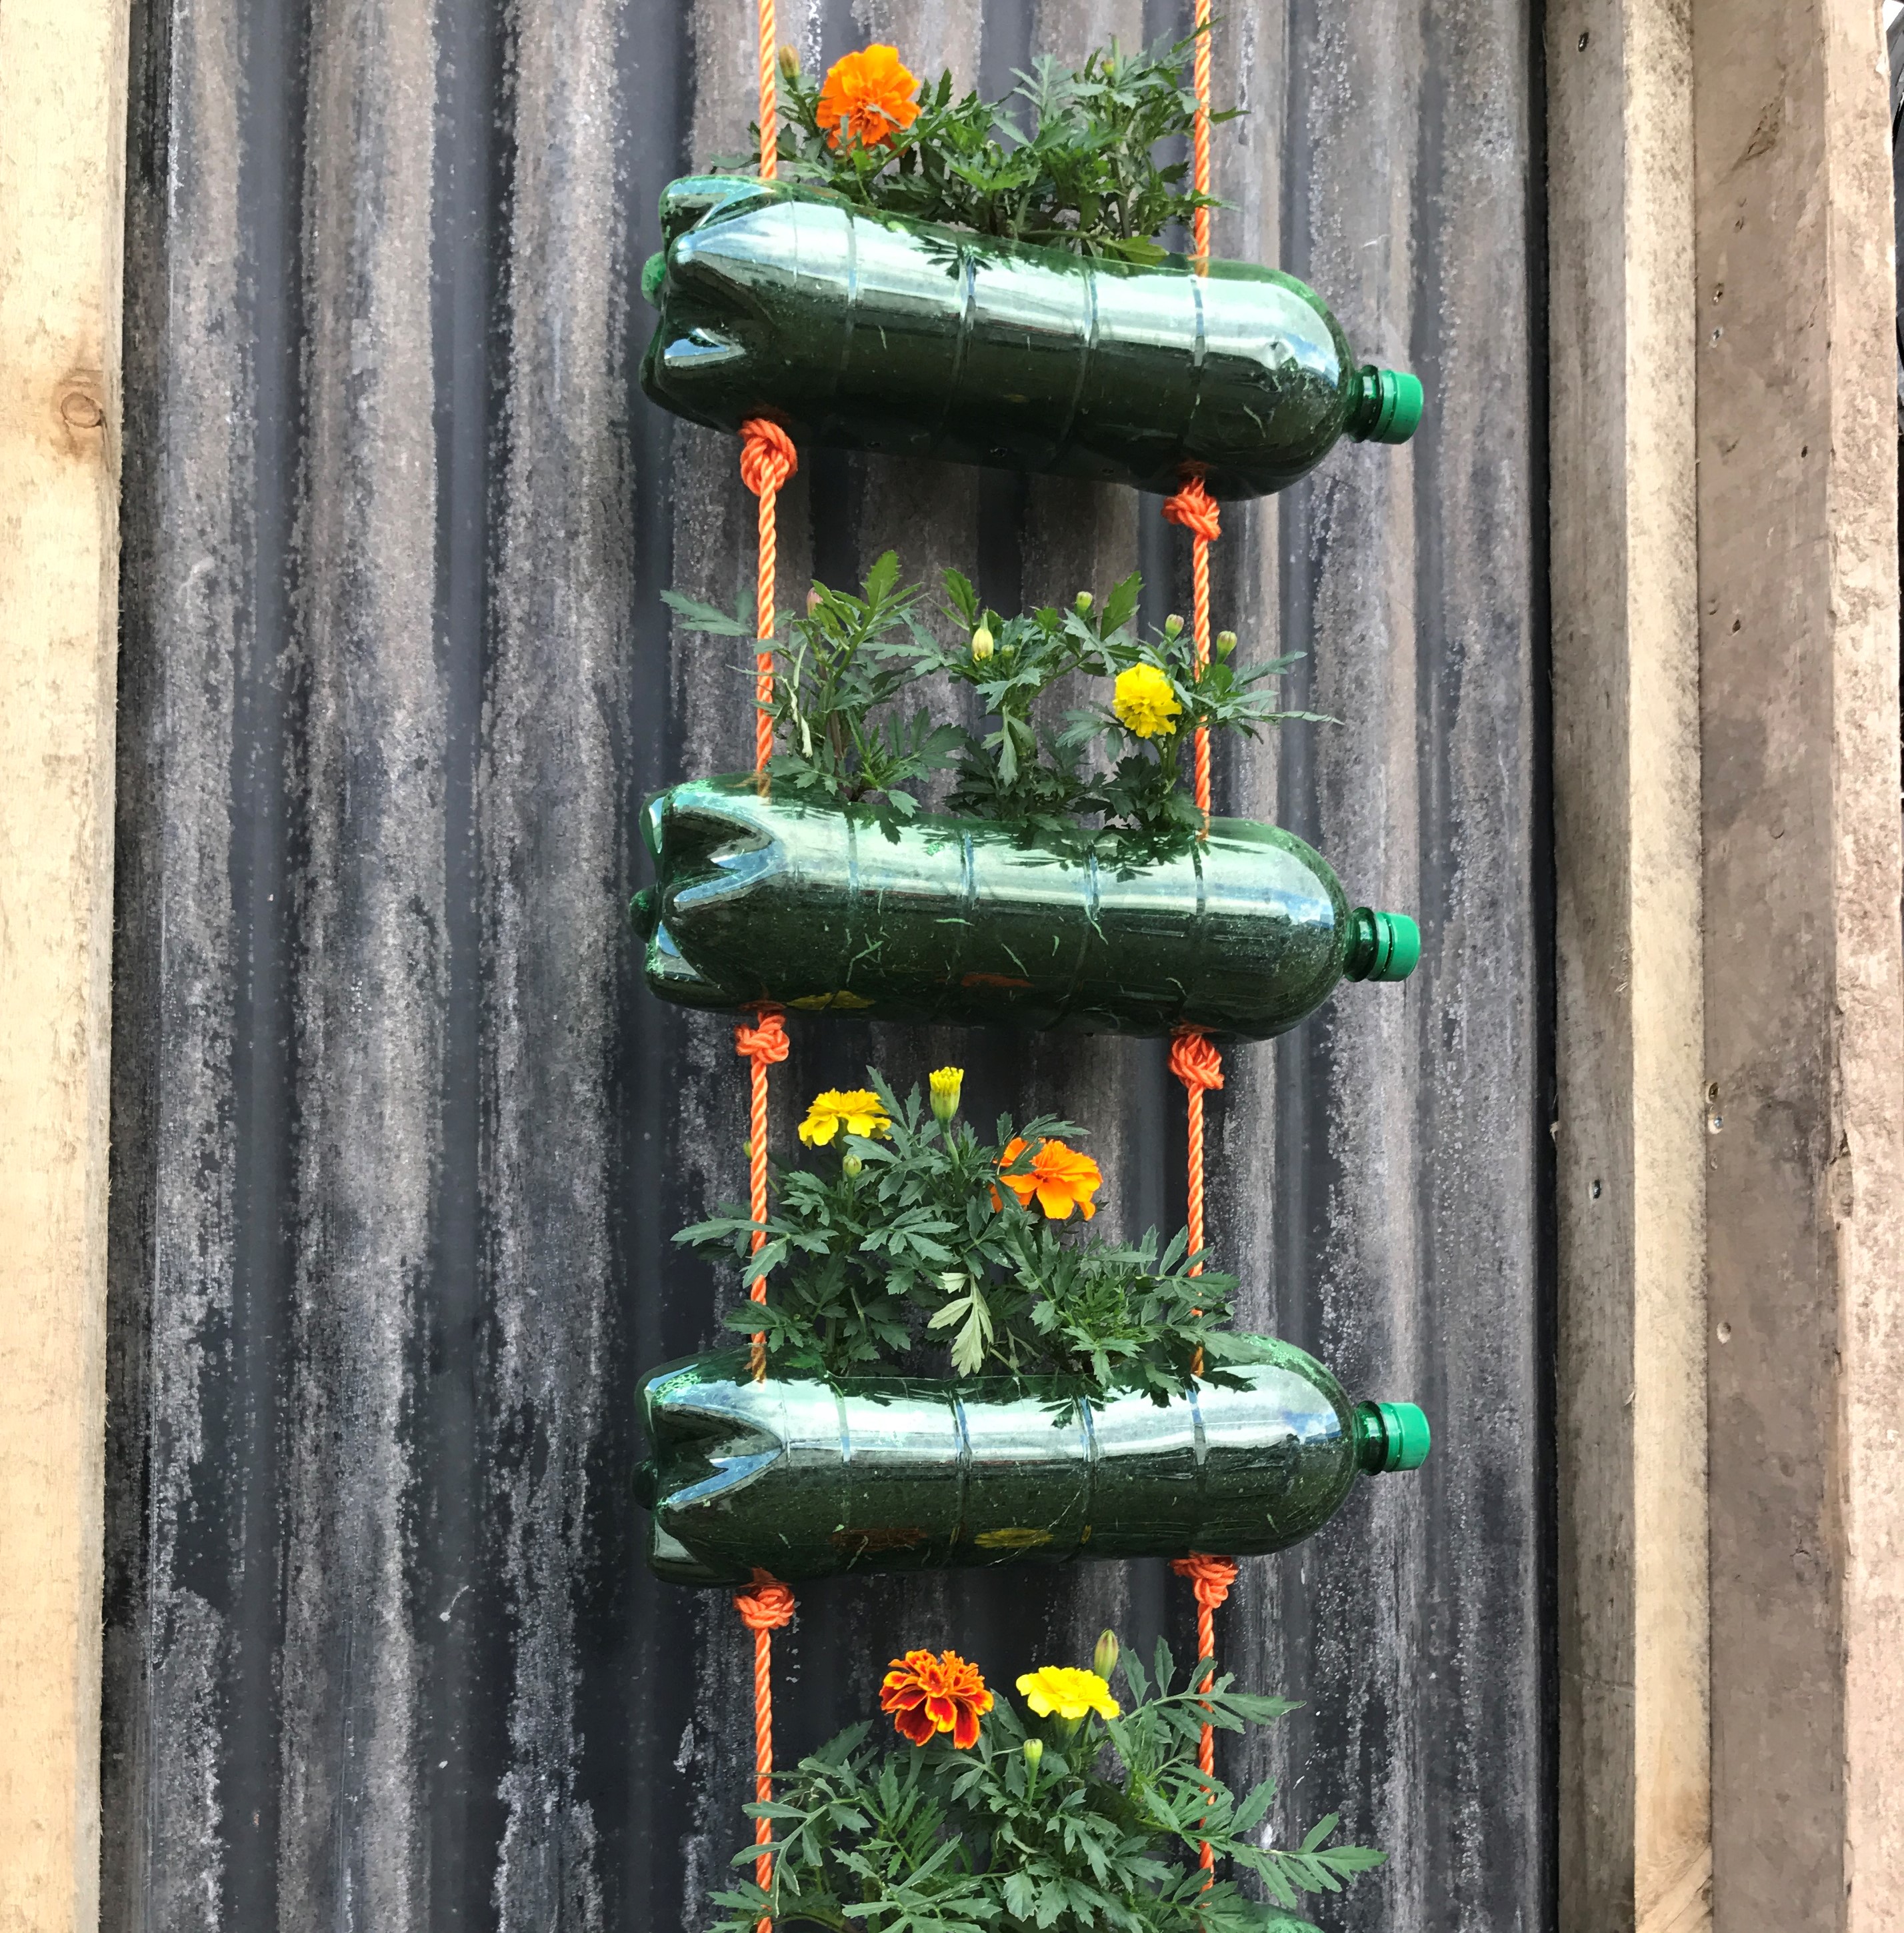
pixel 868 332
pixel 825 909
pixel 809 1479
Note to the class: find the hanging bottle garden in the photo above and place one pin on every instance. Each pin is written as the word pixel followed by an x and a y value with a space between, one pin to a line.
pixel 945 1366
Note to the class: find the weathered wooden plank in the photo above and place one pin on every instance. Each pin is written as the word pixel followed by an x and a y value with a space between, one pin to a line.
pixel 62 105
pixel 1804 986
pixel 1630 1131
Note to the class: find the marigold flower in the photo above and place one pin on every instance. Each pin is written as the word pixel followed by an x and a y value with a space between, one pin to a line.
pixel 1061 1691
pixel 928 1693
pixel 868 97
pixel 1145 703
pixel 946 1082
pixel 1060 1178
pixel 983 644
pixel 858 1110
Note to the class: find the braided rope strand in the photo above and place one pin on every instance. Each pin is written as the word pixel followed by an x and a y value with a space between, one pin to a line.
pixel 765 1607
pixel 1195 509
pixel 767 459
pixel 765 1044
pixel 1211 1578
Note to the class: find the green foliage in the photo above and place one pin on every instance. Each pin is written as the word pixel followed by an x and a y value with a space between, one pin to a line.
pixel 845 657
pixel 906 1243
pixel 1031 778
pixel 849 657
pixel 1066 161
pixel 1101 1835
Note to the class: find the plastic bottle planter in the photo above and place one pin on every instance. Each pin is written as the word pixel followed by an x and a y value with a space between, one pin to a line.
pixel 816 907
pixel 871 331
pixel 810 1478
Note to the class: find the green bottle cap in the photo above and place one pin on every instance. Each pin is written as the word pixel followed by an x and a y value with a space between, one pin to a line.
pixel 1391 1436
pixel 1390 407
pixel 1382 945
pixel 654 272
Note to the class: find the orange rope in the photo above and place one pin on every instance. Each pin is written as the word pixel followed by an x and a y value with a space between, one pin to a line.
pixel 1199 139
pixel 764 1044
pixel 765 1607
pixel 1195 1061
pixel 1211 1578
pixel 767 459
pixel 770 100
pixel 1194 508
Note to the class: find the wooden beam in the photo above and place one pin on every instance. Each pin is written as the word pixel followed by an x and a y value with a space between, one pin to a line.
pixel 1635 1826
pixel 1805 1019
pixel 62 116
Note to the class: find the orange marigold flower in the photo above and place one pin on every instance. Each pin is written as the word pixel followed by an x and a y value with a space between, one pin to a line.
pixel 868 97
pixel 1060 1177
pixel 927 1694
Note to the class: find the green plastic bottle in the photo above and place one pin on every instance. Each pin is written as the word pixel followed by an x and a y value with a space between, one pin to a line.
pixel 807 1478
pixel 865 331
pixel 821 908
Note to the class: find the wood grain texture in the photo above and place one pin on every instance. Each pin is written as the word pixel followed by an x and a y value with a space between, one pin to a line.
pixel 1804 985
pixel 400 1138
pixel 62 117
pixel 1630 1132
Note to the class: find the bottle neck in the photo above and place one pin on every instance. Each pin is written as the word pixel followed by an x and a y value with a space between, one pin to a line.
pixel 1386 407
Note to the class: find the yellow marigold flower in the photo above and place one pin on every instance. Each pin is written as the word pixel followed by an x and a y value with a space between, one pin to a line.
pixel 868 97
pixel 858 1110
pixel 1145 703
pixel 1058 1691
pixel 1060 1177
pixel 946 1082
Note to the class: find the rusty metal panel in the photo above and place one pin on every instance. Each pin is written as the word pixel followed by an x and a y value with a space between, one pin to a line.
pixel 399 1136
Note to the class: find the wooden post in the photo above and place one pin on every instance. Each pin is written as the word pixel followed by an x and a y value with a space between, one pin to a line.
pixel 1635 1826
pixel 62 116
pixel 1731 1116
pixel 1798 673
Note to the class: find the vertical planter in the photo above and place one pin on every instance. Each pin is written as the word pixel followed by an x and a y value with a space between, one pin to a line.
pixel 827 909
pixel 865 331
pixel 811 1478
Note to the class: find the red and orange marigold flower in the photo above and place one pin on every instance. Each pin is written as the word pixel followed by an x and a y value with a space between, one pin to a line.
pixel 928 1693
pixel 1060 1178
pixel 868 97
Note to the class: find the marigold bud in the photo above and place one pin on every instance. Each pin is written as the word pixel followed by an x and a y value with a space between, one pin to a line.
pixel 1103 1660
pixel 981 644
pixel 851 1165
pixel 1083 601
pixel 1034 1752
pixel 1226 643
pixel 1172 626
pixel 789 61
pixel 946 1082
pixel 812 599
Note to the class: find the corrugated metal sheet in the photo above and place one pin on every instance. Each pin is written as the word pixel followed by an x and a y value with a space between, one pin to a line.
pixel 400 1138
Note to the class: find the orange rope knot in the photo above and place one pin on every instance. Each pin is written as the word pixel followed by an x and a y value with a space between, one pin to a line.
pixel 767 455
pixel 1211 1577
pixel 766 1042
pixel 1196 509
pixel 767 1604
pixel 1195 1061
